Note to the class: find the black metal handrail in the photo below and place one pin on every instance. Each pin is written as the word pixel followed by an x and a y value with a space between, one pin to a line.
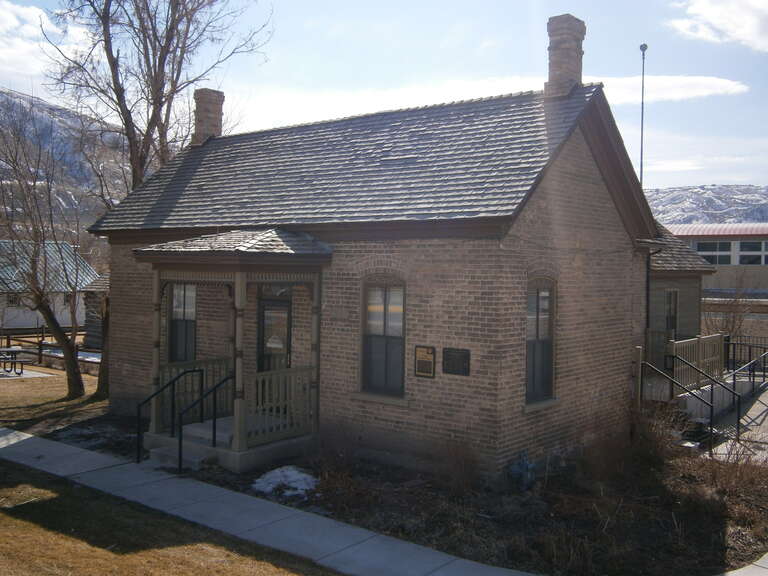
pixel 691 392
pixel 203 396
pixel 712 392
pixel 751 375
pixel 172 384
pixel 729 355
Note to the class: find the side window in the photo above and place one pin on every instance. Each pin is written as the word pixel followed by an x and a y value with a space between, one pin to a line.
pixel 13 300
pixel 182 323
pixel 383 340
pixel 539 340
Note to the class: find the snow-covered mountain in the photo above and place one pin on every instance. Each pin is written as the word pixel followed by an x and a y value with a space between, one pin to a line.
pixel 710 204
pixel 74 140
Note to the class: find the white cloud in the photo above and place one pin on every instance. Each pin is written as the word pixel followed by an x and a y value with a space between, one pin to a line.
pixel 741 21
pixel 22 46
pixel 626 90
pixel 269 106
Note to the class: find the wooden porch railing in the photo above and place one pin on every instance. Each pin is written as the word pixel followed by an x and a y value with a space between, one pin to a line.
pixel 190 387
pixel 704 352
pixel 279 404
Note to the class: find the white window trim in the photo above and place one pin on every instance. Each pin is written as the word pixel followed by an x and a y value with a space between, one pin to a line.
pixel 735 252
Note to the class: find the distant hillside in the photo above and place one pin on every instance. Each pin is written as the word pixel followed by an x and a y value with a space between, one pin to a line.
pixel 61 131
pixel 711 204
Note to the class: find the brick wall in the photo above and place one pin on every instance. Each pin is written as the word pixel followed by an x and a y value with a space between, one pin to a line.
pixel 452 296
pixel 130 346
pixel 571 232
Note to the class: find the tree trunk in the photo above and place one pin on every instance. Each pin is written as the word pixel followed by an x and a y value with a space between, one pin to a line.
pixel 75 388
pixel 102 390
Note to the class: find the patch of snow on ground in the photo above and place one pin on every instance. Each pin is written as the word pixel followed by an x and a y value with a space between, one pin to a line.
pixel 295 482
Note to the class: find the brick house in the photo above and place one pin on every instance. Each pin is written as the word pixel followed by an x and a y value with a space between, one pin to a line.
pixel 470 274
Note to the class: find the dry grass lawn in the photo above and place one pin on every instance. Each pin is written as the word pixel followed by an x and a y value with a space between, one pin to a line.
pixel 35 405
pixel 51 526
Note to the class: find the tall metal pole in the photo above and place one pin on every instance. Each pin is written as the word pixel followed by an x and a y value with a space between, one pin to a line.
pixel 643 48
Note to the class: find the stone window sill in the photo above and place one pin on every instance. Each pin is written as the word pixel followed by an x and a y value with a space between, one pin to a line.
pixel 540 405
pixel 400 401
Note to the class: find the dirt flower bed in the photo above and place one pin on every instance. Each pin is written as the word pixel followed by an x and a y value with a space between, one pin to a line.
pixel 644 509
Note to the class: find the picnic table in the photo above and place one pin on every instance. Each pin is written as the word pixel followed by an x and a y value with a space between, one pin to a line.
pixel 10 360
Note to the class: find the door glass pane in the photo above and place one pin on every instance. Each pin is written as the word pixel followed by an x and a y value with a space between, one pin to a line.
pixel 375 311
pixel 394 312
pixel 190 296
pixel 275 338
pixel 543 314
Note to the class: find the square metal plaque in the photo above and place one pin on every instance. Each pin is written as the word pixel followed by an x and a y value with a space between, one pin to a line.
pixel 424 361
pixel 456 361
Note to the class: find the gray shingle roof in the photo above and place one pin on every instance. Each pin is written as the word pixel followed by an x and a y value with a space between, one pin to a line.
pixel 272 241
pixel 61 267
pixel 676 255
pixel 469 159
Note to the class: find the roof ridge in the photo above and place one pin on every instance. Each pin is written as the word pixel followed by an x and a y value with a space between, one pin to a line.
pixel 392 111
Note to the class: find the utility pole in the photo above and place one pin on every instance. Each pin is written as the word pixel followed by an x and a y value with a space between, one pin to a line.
pixel 643 48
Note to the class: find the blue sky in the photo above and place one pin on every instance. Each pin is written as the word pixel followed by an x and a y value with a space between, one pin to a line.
pixel 707 67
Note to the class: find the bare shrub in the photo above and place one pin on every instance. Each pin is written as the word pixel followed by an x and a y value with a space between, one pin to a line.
pixel 457 466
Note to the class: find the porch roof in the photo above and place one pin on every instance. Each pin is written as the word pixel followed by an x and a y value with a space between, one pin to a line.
pixel 249 244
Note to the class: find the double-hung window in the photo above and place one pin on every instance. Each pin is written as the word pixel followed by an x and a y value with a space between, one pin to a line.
pixel 539 341
pixel 182 329
pixel 383 342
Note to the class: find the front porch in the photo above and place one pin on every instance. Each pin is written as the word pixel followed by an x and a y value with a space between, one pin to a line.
pixel 235 351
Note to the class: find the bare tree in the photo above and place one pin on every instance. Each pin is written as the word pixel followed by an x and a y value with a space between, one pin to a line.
pixel 726 315
pixel 39 226
pixel 140 56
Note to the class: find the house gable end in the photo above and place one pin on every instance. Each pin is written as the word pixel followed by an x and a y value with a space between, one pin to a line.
pixel 608 150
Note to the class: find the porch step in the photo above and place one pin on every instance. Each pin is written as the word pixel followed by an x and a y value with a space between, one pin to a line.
pixel 202 432
pixel 194 457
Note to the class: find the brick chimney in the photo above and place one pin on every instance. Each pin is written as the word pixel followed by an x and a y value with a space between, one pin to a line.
pixel 566 33
pixel 209 106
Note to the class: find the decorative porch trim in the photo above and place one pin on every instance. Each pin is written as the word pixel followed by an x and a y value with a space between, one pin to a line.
pixel 280 277
pixel 197 276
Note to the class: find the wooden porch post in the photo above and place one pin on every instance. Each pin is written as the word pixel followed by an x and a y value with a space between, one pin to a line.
pixel 155 421
pixel 240 439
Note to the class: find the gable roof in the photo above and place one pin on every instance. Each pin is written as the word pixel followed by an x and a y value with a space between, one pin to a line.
pixel 676 256
pixel 65 267
pixel 462 160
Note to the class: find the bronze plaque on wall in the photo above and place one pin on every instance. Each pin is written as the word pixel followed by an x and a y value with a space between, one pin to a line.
pixel 425 361
pixel 456 361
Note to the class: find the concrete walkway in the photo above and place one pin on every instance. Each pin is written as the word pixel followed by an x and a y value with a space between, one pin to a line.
pixel 342 547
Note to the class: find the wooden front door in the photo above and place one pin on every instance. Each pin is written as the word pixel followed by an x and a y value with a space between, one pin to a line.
pixel 274 335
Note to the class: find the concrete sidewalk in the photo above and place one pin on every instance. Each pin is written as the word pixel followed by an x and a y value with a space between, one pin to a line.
pixel 342 547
